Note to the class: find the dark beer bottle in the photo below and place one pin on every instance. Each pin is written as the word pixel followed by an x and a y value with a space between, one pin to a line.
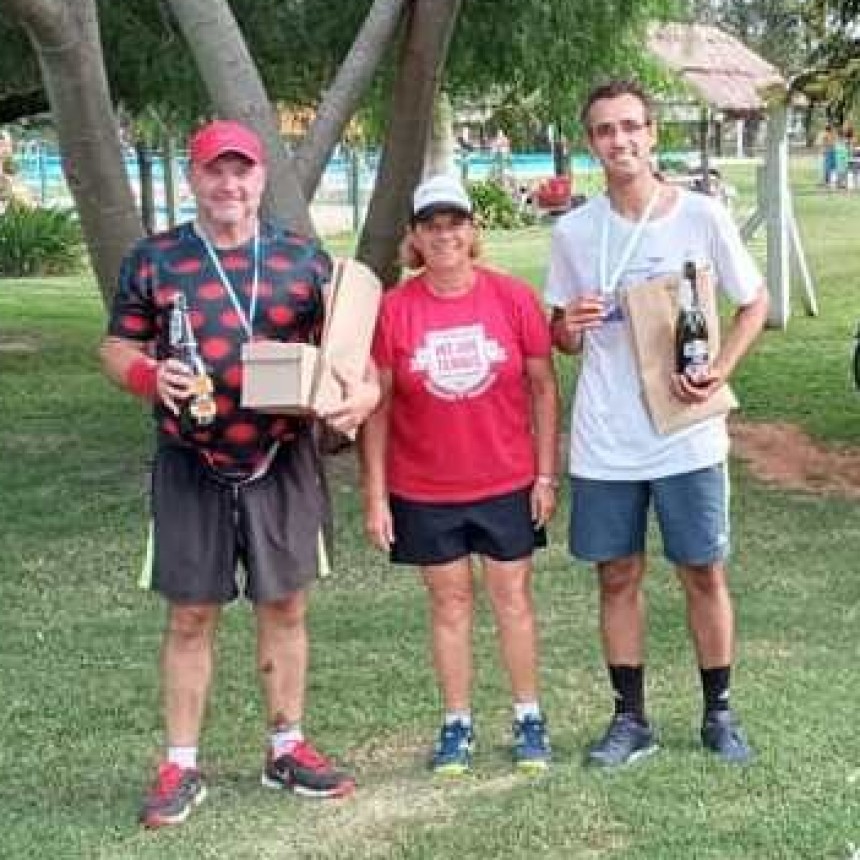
pixel 691 329
pixel 199 409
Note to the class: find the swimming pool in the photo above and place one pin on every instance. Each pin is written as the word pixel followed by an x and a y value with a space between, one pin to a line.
pixel 39 167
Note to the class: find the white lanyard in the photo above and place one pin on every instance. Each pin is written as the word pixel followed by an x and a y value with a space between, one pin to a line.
pixel 246 320
pixel 608 287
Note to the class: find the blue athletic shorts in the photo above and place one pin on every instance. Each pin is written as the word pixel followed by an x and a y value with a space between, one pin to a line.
pixel 500 528
pixel 609 519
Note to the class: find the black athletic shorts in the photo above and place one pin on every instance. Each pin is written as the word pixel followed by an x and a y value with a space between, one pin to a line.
pixel 500 528
pixel 203 526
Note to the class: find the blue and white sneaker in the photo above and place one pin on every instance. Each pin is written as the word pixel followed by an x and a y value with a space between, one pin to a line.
pixel 452 755
pixel 532 751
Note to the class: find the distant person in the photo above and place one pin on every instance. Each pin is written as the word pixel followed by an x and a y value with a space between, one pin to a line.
pixel 460 458
pixel 12 190
pixel 501 145
pixel 7 150
pixel 464 141
pixel 229 484
pixel 639 229
pixel 841 157
pixel 847 155
pixel 828 154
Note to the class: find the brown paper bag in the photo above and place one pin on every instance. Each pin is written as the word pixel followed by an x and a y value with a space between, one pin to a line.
pixel 353 301
pixel 651 309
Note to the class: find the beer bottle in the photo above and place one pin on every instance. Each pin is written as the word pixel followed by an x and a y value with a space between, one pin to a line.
pixel 691 329
pixel 199 409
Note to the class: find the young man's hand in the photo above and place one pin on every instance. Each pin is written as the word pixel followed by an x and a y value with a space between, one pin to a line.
pixel 698 388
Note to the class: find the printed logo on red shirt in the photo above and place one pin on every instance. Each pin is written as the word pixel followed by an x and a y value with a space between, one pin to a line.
pixel 458 362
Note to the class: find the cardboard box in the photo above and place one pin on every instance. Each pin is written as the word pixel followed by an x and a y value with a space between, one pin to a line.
pixel 297 378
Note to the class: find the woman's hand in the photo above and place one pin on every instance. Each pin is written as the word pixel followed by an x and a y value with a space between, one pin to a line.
pixel 378 523
pixel 544 497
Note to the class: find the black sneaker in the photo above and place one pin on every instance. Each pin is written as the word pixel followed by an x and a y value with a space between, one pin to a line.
pixel 175 792
pixel 626 740
pixel 723 736
pixel 304 771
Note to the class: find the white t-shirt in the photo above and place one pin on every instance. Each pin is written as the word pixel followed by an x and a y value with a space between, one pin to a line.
pixel 612 437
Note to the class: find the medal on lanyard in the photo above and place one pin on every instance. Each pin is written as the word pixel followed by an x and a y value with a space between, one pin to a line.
pixel 609 286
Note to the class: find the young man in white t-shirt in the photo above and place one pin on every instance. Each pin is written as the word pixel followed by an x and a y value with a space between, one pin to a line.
pixel 640 229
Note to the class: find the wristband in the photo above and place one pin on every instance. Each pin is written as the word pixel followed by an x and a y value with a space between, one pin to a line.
pixel 547 481
pixel 141 378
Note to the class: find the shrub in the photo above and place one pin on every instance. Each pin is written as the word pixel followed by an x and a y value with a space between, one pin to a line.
pixel 35 241
pixel 495 208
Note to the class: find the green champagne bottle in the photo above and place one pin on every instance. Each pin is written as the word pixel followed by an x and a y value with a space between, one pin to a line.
pixel 691 328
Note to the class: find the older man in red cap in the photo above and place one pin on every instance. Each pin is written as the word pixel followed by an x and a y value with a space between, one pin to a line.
pixel 229 484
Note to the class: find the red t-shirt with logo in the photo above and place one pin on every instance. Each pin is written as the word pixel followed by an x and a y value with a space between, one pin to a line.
pixel 460 422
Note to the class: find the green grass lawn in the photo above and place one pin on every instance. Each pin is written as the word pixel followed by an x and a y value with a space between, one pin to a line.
pixel 79 719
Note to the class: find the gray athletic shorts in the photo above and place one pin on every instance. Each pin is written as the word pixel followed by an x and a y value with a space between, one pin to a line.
pixel 609 519
pixel 203 526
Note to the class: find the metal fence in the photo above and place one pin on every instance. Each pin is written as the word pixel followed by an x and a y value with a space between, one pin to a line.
pixel 340 200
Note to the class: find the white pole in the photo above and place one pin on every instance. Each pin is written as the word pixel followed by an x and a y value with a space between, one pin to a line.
pixel 777 217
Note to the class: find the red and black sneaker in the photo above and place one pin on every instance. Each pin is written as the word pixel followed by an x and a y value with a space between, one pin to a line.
pixel 304 771
pixel 175 792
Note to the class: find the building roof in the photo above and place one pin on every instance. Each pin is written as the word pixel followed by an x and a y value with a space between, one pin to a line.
pixel 721 70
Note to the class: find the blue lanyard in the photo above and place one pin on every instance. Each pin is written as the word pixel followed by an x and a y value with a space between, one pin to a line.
pixel 247 320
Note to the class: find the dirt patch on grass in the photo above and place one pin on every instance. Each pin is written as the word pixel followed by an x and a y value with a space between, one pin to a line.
pixel 783 454
pixel 373 822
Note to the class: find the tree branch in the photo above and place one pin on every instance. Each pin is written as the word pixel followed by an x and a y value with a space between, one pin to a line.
pixel 342 97
pixel 236 90
pixel 425 49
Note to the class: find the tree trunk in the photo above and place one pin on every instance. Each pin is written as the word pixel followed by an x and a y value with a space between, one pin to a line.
pixel 168 156
pixel 809 125
pixel 65 37
pixel 560 156
pixel 440 148
pixel 342 97
pixel 237 92
pixel 147 184
pixel 430 25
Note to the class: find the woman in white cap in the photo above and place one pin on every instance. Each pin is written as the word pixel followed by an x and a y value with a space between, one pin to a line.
pixel 461 457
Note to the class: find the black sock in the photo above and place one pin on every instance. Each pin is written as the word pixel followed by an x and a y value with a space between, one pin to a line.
pixel 628 683
pixel 715 687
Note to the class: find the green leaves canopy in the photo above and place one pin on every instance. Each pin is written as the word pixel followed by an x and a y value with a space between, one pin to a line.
pixel 549 51
pixel 544 51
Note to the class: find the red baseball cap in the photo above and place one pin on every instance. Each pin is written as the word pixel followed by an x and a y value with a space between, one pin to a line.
pixel 222 136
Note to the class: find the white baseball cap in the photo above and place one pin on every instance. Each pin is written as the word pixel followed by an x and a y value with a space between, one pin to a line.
pixel 440 193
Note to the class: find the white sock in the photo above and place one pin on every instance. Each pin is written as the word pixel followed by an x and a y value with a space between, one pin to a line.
pixel 526 709
pixel 284 739
pixel 185 757
pixel 464 717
